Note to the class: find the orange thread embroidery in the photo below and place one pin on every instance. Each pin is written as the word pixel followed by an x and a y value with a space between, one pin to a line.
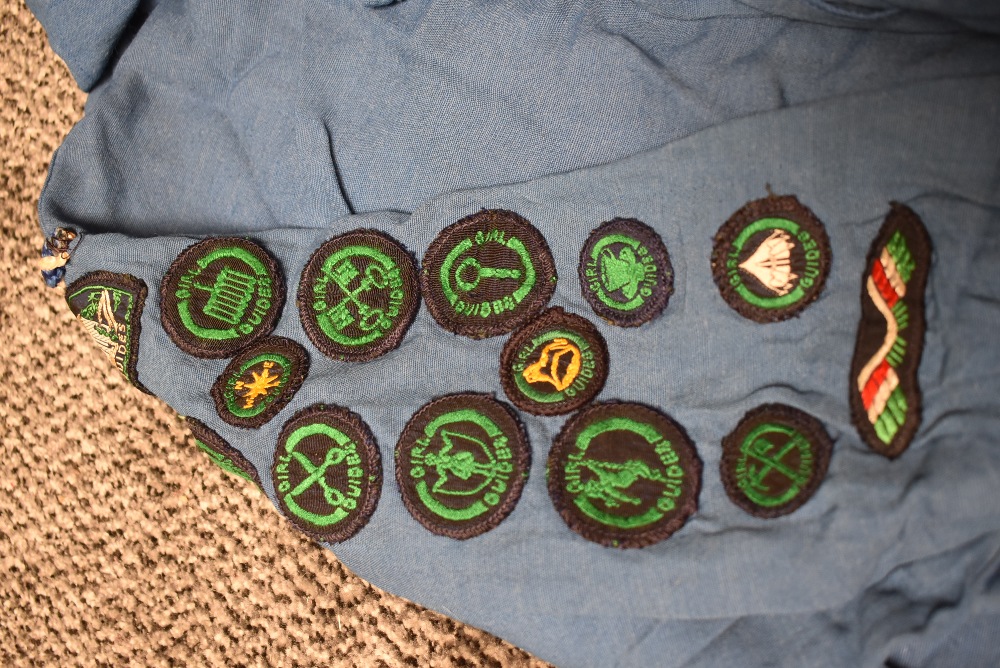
pixel 262 382
pixel 546 369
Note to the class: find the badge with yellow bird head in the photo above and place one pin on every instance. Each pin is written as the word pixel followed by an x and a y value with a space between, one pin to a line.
pixel 554 364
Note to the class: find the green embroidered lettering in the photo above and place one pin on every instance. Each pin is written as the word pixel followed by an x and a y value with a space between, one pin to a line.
pixel 609 480
pixel 774 460
pixel 362 295
pixel 463 458
pixel 555 364
pixel 771 259
pixel 327 472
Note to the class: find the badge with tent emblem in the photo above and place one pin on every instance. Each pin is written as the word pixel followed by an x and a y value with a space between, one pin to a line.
pixel 771 259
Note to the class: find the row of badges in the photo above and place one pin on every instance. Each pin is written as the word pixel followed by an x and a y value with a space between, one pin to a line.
pixel 619 474
pixel 485 275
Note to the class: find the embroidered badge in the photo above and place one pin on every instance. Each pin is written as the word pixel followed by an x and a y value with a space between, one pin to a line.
pixel 461 464
pixel 110 306
pixel 885 394
pixel 554 364
pixel 771 259
pixel 327 472
pixel 226 456
pixel 625 272
pixel 487 274
pixel 774 460
pixel 624 475
pixel 358 295
pixel 260 381
pixel 220 295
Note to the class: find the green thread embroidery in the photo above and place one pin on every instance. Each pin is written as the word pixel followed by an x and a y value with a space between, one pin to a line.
pixel 553 380
pixel 459 278
pixel 342 457
pixel 905 264
pixel 554 364
pixel 632 272
pixel 811 272
pixel 760 459
pixel 461 463
pixel 771 258
pixel 249 397
pixel 339 295
pixel 885 392
pixel 107 316
pixel 591 481
pixel 225 463
pixel 774 460
pixel 237 298
pixel 892 417
pixel 472 472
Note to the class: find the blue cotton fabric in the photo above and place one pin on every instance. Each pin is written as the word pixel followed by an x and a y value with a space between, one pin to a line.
pixel 292 122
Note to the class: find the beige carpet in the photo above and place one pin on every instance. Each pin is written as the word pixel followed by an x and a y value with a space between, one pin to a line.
pixel 120 543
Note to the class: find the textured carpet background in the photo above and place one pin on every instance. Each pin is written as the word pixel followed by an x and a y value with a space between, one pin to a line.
pixel 120 543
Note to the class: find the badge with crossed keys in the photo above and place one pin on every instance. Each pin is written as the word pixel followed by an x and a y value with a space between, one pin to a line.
pixel 369 317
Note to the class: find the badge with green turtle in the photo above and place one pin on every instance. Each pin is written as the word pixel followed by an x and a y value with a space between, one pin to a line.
pixel 461 463
pixel 624 475
pixel 774 460
pixel 327 472
pixel 625 272
pixel 358 295
pixel 220 295
pixel 771 259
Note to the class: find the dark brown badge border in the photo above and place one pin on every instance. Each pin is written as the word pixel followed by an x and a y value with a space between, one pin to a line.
pixel 664 288
pixel 209 437
pixel 168 301
pixel 609 536
pixel 772 206
pixel 518 443
pixel 295 354
pixel 872 324
pixel 810 427
pixel 551 319
pixel 478 327
pixel 343 419
pixel 137 287
pixel 390 341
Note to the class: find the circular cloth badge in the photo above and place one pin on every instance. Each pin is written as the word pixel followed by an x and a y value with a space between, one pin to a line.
pixel 624 475
pixel 625 272
pixel 554 364
pixel 219 295
pixel 226 456
pixel 771 259
pixel 327 472
pixel 260 381
pixel 358 295
pixel 461 464
pixel 774 460
pixel 109 306
pixel 487 274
